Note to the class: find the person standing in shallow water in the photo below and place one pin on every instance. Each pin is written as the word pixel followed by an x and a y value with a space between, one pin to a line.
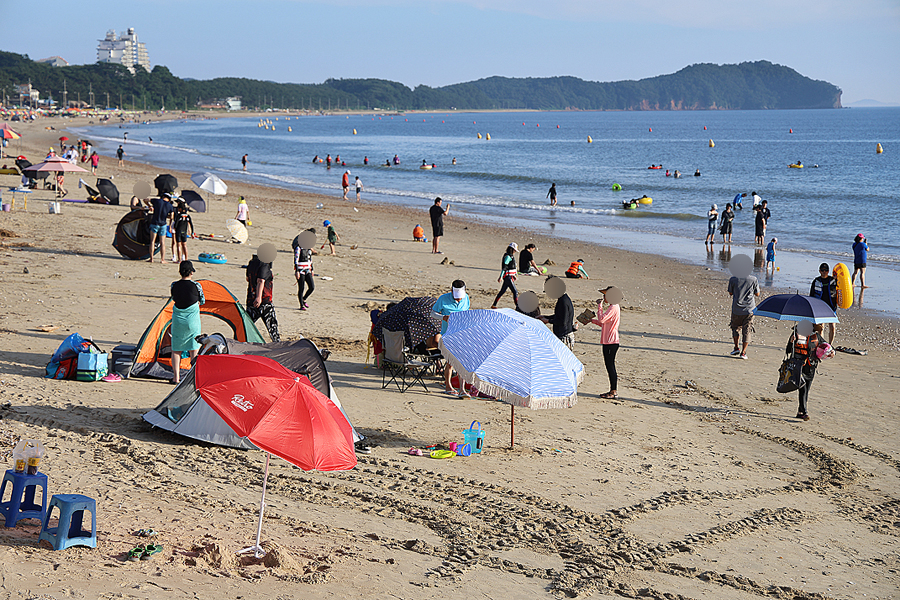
pixel 552 194
pixel 726 224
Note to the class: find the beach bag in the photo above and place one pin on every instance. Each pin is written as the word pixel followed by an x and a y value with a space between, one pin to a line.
pixel 790 375
pixel 92 366
pixel 64 369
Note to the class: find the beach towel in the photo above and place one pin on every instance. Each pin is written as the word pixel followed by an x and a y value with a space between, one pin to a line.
pixel 185 328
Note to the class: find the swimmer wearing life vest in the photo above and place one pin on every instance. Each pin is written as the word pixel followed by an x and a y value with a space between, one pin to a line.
pixel 576 270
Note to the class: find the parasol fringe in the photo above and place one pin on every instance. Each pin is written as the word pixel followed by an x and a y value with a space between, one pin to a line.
pixel 492 389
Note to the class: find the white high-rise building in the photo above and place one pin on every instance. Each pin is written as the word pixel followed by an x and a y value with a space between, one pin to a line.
pixel 123 50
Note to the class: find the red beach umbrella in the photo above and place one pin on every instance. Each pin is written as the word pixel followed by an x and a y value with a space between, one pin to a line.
pixel 279 411
pixel 64 139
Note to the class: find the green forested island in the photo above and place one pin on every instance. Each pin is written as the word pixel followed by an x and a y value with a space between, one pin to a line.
pixel 746 86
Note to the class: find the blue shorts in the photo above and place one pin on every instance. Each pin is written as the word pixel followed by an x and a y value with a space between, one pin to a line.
pixel 159 230
pixel 770 258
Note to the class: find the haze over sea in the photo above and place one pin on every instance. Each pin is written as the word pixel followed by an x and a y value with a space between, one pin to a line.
pixel 816 212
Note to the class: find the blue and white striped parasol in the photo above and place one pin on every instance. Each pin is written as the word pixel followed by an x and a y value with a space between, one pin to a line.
pixel 512 357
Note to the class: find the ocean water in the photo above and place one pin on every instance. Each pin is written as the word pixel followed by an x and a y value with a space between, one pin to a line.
pixel 816 211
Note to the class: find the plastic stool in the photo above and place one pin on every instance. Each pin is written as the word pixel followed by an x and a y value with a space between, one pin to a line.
pixel 21 503
pixel 68 531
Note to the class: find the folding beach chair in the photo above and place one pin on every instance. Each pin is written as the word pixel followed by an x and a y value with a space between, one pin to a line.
pixel 399 364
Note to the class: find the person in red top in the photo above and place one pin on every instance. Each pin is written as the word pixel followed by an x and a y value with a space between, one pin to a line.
pixel 608 320
pixel 345 183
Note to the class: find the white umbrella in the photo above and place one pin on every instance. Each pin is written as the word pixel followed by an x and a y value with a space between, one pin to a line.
pixel 210 183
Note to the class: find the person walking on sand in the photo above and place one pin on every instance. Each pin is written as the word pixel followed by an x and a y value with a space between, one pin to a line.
pixel 860 256
pixel 243 212
pixel 333 237
pixel 303 269
pixel 120 155
pixel 608 320
pixel 508 274
pixel 552 194
pixel 95 162
pixel 713 216
pixel 743 289
pixel 259 289
pixel 437 213
pixel 187 297
pixel 159 222
pixel 803 344
pixel 345 183
pixel 244 162
pixel 456 300
pixel 726 225
pixel 824 287
pixel 359 188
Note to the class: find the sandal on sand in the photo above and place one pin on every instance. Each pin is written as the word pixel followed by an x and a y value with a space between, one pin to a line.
pixel 146 532
pixel 135 553
pixel 112 377
pixel 150 550
pixel 415 452
pixel 610 395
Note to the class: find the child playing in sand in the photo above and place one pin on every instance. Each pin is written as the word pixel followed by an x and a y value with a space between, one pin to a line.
pixel 419 234
pixel 333 237
pixel 770 254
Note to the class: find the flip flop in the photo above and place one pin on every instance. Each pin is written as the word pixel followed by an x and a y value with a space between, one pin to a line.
pixel 136 553
pixel 150 550
pixel 150 532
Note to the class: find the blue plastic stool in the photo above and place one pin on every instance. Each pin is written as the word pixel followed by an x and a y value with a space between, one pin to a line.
pixel 68 531
pixel 21 503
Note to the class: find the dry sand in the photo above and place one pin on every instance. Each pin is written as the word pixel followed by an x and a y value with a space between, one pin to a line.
pixel 696 483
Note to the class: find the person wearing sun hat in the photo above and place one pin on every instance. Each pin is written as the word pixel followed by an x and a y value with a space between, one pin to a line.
pixel 259 289
pixel 454 301
pixel 860 255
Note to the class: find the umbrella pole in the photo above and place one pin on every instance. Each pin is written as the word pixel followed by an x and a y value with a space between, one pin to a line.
pixel 257 550
pixel 512 425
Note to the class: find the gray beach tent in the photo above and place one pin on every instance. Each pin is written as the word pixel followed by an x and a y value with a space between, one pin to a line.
pixel 186 413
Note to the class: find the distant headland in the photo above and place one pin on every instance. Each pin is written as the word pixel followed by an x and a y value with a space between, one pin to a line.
pixel 759 85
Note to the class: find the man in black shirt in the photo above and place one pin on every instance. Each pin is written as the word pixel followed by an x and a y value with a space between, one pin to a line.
pixel 527 265
pixel 563 317
pixel 824 287
pixel 437 213
pixel 259 289
pixel 159 223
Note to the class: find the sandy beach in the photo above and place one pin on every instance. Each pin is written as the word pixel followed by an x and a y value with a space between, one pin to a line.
pixel 697 482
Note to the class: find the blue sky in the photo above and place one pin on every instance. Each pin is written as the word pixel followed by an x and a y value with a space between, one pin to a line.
pixel 852 44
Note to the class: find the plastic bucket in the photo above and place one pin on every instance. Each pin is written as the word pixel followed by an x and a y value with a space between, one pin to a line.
pixel 464 450
pixel 474 437
pixel 5 207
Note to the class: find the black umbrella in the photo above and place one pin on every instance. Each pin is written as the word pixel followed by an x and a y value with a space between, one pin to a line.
pixel 165 183
pixel 108 190
pixel 796 307
pixel 23 165
pixel 94 196
pixel 412 316
pixel 194 200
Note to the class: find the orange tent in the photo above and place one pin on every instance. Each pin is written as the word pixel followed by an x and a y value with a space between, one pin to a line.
pixel 153 356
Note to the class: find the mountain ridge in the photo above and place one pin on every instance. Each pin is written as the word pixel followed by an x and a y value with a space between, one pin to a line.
pixel 759 85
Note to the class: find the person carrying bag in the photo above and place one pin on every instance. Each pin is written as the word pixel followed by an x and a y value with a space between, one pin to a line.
pixel 799 366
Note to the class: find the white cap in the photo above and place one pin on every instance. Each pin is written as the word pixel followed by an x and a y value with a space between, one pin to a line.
pixel 459 293
pixel 514 246
pixel 715 207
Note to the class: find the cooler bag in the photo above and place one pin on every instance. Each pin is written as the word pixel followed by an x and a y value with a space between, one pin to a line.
pixel 92 366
